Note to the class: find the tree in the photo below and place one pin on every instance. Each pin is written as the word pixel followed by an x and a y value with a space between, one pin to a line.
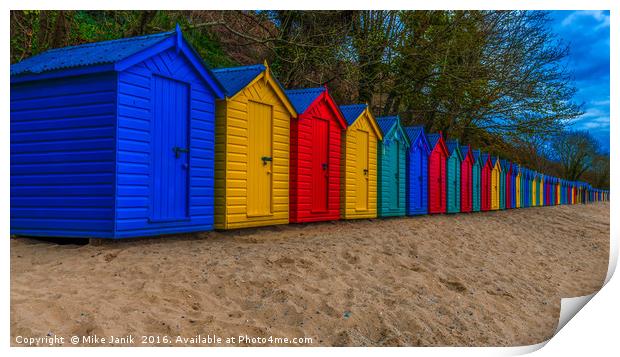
pixel 599 173
pixel 463 72
pixel 575 151
pixel 492 79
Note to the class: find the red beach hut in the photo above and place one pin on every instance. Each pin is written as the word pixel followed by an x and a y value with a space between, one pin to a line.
pixel 437 174
pixel 485 182
pixel 315 156
pixel 466 179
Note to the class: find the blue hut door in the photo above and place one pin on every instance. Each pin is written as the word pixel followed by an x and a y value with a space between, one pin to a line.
pixel 170 149
pixel 418 180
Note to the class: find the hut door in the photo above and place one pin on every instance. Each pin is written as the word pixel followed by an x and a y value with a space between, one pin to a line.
pixel 320 160
pixel 362 173
pixel 397 173
pixel 170 150
pixel 260 160
pixel 434 182
pixel 420 177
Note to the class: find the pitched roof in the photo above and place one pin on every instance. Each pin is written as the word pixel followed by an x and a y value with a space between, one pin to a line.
pixel 352 112
pixel 464 150
pixel 387 123
pixel 433 139
pixel 476 154
pixel 413 132
pixel 452 145
pixel 234 79
pixel 303 97
pixel 485 157
pixel 96 53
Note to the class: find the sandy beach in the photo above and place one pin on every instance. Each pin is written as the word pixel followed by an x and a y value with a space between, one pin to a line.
pixel 482 279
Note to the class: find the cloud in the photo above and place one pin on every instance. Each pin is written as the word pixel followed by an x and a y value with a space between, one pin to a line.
pixel 601 17
pixel 600 102
pixel 587 34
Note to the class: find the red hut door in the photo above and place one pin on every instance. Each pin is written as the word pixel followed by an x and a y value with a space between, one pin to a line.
pixel 484 188
pixel 437 183
pixel 466 186
pixel 442 183
pixel 320 170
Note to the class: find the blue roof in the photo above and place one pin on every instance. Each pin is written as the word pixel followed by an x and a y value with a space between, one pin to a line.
pixel 476 154
pixel 413 132
pixel 352 112
pixel 484 157
pixel 387 123
pixel 234 79
pixel 302 98
pixel 464 150
pixel 432 139
pixel 89 54
pixel 452 145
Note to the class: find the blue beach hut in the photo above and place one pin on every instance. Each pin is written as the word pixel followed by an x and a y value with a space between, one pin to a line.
pixel 417 171
pixel 113 139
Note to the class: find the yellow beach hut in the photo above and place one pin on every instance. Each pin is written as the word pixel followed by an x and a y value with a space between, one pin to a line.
pixel 495 184
pixel 358 169
pixel 252 138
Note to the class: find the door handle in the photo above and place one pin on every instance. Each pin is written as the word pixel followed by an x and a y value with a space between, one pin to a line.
pixel 177 151
pixel 365 171
pixel 324 166
pixel 266 159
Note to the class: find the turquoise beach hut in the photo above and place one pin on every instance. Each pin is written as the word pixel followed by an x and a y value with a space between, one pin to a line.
pixel 453 177
pixel 475 192
pixel 392 168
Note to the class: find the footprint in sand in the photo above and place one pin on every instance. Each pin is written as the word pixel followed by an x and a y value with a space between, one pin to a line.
pixel 350 258
pixel 454 285
pixel 110 257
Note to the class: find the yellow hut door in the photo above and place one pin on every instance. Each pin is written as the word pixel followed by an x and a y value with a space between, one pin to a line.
pixel 260 162
pixel 362 175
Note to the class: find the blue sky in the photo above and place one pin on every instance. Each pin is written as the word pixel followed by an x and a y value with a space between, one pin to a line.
pixel 587 33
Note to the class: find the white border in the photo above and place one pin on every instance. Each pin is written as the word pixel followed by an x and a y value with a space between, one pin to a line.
pixel 595 329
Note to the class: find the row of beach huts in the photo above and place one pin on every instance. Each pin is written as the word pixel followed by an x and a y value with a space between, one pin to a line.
pixel 137 137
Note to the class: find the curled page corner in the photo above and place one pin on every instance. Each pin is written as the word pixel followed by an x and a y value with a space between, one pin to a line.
pixel 570 307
